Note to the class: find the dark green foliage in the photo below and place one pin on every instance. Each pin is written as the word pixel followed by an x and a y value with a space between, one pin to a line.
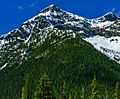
pixel 117 91
pixel 44 89
pixel 25 90
pixel 94 90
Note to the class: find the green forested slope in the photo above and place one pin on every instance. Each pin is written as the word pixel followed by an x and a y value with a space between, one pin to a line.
pixel 71 64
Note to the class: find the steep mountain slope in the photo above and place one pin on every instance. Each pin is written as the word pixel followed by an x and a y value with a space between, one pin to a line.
pixel 35 31
pixel 53 42
pixel 16 45
pixel 107 33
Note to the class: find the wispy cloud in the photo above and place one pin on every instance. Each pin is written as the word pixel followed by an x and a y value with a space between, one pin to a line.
pixel 34 4
pixel 24 6
pixel 113 10
pixel 20 7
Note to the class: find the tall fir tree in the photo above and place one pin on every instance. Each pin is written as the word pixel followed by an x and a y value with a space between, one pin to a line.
pixel 70 96
pixel 94 89
pixel 75 95
pixel 82 93
pixel 117 91
pixel 106 95
pixel 25 90
pixel 44 89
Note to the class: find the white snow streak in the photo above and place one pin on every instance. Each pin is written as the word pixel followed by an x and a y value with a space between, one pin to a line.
pixel 3 66
pixel 108 46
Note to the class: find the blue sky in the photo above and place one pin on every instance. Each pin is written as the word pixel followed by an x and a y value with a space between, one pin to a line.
pixel 14 12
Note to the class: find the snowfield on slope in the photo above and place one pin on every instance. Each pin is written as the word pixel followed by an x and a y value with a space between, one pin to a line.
pixel 101 24
pixel 108 46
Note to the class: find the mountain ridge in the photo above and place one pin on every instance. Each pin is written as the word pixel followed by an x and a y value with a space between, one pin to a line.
pixel 53 5
pixel 52 18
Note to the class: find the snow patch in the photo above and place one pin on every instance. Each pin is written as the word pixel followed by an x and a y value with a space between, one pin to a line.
pixel 3 66
pixel 101 24
pixel 108 46
pixel 28 38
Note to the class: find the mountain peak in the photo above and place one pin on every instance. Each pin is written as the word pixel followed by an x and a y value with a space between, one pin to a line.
pixel 51 8
pixel 52 5
pixel 110 16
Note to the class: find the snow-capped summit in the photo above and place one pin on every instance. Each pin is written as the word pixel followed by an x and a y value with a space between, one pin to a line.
pixel 51 8
pixel 54 17
pixel 106 20
pixel 110 16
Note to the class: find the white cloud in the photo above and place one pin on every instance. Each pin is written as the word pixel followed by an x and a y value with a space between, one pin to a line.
pixel 20 7
pixel 34 4
pixel 24 6
pixel 113 10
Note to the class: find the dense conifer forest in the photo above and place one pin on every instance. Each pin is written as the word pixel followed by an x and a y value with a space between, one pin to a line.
pixel 67 68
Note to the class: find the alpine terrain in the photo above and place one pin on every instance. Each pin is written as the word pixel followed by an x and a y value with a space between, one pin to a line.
pixel 80 56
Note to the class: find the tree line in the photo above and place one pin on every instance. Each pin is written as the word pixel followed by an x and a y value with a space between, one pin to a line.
pixel 45 90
